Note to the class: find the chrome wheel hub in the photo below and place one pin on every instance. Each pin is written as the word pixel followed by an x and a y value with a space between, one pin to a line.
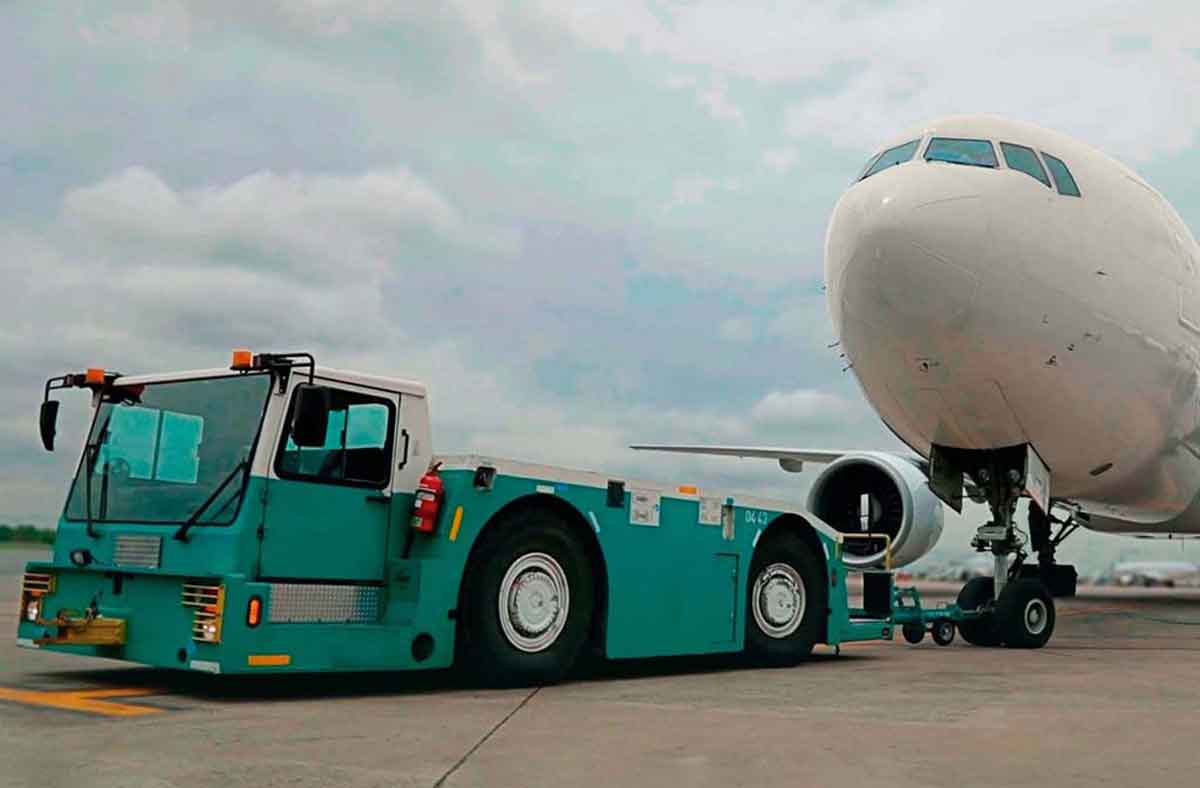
pixel 534 601
pixel 1036 616
pixel 778 600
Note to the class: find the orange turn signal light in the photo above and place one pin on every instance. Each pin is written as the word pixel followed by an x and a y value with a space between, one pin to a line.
pixel 242 359
pixel 254 611
pixel 94 375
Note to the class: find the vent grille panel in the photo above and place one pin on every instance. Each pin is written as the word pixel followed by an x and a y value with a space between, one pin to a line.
pixel 307 603
pixel 209 603
pixel 37 583
pixel 143 552
pixel 201 595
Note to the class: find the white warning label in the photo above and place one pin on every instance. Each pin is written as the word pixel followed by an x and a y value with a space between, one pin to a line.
pixel 710 511
pixel 644 507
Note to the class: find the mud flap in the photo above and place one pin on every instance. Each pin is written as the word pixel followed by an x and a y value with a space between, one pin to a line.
pixel 1059 579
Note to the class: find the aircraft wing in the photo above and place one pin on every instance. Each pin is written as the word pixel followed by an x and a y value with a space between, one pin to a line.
pixel 789 459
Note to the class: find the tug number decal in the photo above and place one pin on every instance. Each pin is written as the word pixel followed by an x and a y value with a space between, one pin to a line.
pixel 754 517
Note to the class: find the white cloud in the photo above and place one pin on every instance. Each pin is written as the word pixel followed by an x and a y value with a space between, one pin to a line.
pixel 309 214
pixel 694 190
pixel 802 407
pixel 1050 63
pixel 715 100
pixel 780 160
pixel 805 323
pixel 735 329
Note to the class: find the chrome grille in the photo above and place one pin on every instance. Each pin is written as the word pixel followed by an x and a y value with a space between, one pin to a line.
pixel 313 603
pixel 139 551
pixel 201 595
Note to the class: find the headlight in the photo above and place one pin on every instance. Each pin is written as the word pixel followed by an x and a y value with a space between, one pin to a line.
pixel 32 610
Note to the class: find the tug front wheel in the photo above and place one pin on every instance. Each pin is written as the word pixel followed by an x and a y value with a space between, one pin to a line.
pixel 527 601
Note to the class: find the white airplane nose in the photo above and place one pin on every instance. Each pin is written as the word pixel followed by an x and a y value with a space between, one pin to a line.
pixel 899 254
pixel 903 276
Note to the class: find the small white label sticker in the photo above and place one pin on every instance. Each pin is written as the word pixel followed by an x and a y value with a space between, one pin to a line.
pixel 205 666
pixel 1037 479
pixel 710 511
pixel 644 507
pixel 548 489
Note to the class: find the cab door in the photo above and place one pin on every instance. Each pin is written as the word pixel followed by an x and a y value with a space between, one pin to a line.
pixel 328 507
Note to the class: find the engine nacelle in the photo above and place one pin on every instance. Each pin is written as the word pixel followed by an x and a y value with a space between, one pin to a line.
pixel 875 492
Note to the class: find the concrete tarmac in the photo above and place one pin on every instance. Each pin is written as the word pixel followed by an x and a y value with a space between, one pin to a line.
pixel 1113 700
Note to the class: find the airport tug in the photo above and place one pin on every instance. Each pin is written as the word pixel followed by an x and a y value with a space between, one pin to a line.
pixel 279 516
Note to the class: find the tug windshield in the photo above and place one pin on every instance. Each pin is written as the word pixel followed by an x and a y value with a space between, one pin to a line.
pixel 156 453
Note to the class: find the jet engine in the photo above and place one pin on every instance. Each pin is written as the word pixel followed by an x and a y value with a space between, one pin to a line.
pixel 878 493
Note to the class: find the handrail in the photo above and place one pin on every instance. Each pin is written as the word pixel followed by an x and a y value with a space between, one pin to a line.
pixel 887 545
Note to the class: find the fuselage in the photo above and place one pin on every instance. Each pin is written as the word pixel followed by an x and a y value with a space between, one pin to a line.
pixel 1001 284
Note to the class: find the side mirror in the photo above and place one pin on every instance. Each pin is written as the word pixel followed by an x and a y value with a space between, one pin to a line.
pixel 310 418
pixel 48 423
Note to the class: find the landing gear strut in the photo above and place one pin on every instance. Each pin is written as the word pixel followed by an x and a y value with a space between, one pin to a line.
pixel 1015 605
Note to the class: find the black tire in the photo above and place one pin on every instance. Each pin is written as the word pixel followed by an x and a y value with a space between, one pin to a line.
pixel 785 646
pixel 913 633
pixel 1025 614
pixel 483 645
pixel 978 631
pixel 942 632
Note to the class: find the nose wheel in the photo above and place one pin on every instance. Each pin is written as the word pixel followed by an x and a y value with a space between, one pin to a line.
pixel 1022 616
pixel 1025 614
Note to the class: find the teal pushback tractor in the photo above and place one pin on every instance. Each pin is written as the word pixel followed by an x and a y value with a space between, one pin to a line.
pixel 277 516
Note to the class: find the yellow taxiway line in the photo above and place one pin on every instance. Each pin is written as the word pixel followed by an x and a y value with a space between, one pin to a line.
pixel 88 701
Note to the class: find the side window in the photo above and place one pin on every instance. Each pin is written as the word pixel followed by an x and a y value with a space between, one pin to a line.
pixel 977 153
pixel 892 157
pixel 1024 160
pixel 863 172
pixel 1062 176
pixel 357 449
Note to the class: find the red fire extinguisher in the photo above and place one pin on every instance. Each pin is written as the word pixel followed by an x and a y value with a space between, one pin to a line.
pixel 430 491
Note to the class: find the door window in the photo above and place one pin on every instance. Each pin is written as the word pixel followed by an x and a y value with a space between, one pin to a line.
pixel 358 444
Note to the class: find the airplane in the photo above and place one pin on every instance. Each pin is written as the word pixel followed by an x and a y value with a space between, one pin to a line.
pixel 1154 573
pixel 1022 311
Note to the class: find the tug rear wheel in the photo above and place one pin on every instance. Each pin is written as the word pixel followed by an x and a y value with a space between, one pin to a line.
pixel 787 601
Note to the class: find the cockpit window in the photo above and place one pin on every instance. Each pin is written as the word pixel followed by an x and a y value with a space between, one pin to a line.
pixel 977 153
pixel 1062 176
pixel 892 157
pixel 863 172
pixel 1024 160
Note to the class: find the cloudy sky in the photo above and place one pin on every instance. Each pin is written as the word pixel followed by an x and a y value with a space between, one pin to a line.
pixel 584 224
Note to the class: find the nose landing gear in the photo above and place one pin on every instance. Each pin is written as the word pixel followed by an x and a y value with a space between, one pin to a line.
pixel 1014 607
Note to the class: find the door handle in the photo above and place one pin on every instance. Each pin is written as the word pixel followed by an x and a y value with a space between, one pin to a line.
pixel 404 458
pixel 379 498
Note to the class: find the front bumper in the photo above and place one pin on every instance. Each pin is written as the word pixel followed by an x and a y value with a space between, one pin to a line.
pixel 82 631
pixel 191 623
